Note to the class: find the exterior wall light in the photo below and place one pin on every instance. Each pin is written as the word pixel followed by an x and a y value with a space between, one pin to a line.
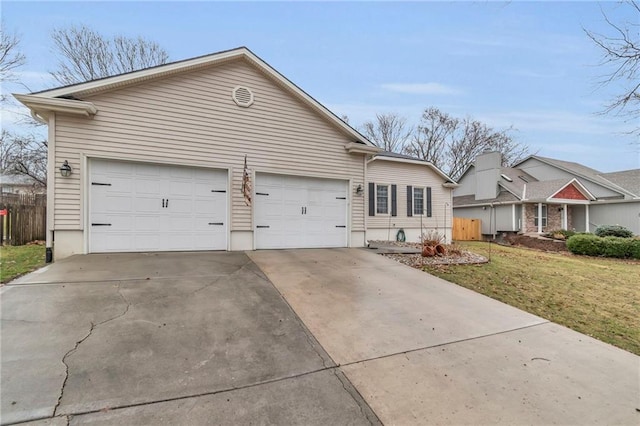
pixel 65 169
pixel 359 190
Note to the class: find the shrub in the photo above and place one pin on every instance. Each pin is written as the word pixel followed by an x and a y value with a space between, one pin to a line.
pixel 634 248
pixel 616 247
pixel 613 231
pixel 586 244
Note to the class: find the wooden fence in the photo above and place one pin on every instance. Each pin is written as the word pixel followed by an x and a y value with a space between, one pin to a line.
pixel 24 218
pixel 466 229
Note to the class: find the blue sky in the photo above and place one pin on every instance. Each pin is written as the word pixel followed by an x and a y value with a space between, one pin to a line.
pixel 523 64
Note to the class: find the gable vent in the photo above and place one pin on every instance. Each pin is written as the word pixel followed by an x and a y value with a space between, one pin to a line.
pixel 242 96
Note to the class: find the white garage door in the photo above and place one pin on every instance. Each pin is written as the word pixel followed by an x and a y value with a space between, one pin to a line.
pixel 151 207
pixel 300 212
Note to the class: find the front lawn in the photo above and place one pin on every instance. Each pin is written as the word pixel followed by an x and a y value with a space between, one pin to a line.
pixel 597 297
pixel 19 260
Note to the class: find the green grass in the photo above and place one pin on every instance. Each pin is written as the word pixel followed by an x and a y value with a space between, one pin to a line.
pixel 19 260
pixel 597 297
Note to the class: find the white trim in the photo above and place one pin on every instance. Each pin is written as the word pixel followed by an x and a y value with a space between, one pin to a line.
pixel 85 192
pixel 586 218
pixel 388 185
pixel 121 80
pixel 565 217
pixel 359 148
pixel 580 187
pixel 513 217
pixel 424 201
pixel 40 104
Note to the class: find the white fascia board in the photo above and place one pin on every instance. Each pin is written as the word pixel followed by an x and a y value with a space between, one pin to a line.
pixel 359 148
pixel 41 104
pixel 141 75
pixel 203 61
pixel 584 191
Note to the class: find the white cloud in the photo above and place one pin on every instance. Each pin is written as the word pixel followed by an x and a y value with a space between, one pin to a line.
pixel 555 121
pixel 422 88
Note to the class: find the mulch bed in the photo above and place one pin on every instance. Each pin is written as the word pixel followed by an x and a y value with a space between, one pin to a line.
pixel 539 243
pixel 454 256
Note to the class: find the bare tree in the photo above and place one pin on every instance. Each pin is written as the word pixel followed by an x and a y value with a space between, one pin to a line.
pixel 435 132
pixel 452 144
pixel 476 137
pixel 389 131
pixel 10 57
pixel 621 54
pixel 24 155
pixel 84 54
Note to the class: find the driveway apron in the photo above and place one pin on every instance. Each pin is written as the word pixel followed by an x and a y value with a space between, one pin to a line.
pixel 152 338
pixel 421 350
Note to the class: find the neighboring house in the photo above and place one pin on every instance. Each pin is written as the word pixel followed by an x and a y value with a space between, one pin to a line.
pixel 408 194
pixel 20 184
pixel 157 162
pixel 541 194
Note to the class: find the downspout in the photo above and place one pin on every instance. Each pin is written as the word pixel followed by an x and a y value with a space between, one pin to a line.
pixel 365 200
pixel 51 185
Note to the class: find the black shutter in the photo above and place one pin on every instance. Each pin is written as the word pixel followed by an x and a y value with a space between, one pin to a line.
pixel 372 199
pixel 428 201
pixel 394 200
pixel 409 201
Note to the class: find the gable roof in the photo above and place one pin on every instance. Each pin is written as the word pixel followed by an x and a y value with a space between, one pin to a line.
pixel 544 190
pixel 401 158
pixel 580 171
pixel 627 179
pixel 67 98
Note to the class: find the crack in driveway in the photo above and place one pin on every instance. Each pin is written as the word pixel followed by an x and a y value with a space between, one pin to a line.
pixel 79 342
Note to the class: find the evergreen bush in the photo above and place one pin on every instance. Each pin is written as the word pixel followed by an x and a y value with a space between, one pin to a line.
pixel 613 231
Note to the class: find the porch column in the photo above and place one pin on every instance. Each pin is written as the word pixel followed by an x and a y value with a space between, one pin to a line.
pixel 565 217
pixel 586 216
pixel 539 218
pixel 513 217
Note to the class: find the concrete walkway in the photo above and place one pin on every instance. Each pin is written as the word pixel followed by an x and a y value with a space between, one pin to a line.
pixel 421 350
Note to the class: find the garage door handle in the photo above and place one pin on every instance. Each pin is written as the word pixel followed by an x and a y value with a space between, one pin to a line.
pixel 163 203
pixel 167 203
pixel 216 223
pixel 262 226
pixel 340 226
pixel 100 184
pixel 218 190
pixel 100 224
pixel 341 198
pixel 261 193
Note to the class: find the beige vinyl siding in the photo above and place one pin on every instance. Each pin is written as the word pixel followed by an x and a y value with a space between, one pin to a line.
pixel 402 175
pixel 190 119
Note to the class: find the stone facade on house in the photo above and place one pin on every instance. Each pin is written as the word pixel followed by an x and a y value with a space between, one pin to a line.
pixel 554 218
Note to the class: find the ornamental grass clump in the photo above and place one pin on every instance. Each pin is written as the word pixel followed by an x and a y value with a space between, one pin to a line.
pixel 613 231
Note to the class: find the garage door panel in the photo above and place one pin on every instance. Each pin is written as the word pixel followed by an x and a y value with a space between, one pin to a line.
pixel 144 204
pixel 132 198
pixel 300 212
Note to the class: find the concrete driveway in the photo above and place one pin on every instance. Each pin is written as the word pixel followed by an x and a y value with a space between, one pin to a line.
pixel 178 338
pixel 339 336
pixel 421 350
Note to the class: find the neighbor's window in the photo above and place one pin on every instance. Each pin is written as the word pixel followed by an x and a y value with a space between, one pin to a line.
pixel 544 215
pixel 382 199
pixel 418 201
